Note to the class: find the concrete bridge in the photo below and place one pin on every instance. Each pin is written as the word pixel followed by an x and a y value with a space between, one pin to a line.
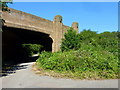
pixel 24 27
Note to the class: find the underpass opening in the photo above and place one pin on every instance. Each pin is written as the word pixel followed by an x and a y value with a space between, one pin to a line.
pixel 13 38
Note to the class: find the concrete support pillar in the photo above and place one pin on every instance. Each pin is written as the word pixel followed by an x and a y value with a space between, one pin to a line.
pixel 75 26
pixel 57 34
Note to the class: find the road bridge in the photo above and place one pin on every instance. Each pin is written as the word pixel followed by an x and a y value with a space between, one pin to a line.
pixel 21 27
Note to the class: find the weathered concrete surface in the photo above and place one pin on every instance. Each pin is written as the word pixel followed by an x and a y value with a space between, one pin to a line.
pixel 22 20
pixel 25 78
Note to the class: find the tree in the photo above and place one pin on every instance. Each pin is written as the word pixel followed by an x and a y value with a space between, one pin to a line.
pixel 4 6
pixel 109 41
pixel 71 40
pixel 88 37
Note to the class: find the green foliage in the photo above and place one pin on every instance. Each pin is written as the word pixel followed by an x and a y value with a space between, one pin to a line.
pixel 77 62
pixel 85 55
pixel 30 49
pixel 108 41
pixel 88 37
pixel 3 5
pixel 70 41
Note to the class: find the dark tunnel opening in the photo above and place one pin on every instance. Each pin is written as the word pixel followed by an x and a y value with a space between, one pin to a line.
pixel 13 38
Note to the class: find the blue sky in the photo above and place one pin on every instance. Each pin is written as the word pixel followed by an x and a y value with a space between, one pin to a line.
pixel 97 16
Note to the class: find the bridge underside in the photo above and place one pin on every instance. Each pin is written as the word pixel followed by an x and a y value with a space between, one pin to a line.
pixel 13 38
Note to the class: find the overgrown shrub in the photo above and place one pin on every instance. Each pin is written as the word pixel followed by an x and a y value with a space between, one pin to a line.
pixel 87 59
pixel 88 37
pixel 106 40
pixel 30 49
pixel 70 41
pixel 84 55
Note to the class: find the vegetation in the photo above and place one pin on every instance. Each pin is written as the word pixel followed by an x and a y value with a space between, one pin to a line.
pixel 3 7
pixel 71 40
pixel 3 4
pixel 85 55
pixel 82 64
pixel 30 49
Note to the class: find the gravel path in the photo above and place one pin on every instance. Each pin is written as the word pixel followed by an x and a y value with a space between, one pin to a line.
pixel 25 78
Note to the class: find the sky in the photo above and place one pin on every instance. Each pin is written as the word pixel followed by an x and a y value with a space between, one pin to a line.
pixel 97 16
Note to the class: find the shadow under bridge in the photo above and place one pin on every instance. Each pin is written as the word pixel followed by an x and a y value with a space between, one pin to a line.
pixel 13 38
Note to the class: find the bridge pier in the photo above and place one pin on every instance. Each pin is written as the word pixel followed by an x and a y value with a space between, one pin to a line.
pixel 57 34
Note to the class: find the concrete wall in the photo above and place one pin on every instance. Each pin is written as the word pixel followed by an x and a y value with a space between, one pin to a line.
pixel 20 19
pixel 55 28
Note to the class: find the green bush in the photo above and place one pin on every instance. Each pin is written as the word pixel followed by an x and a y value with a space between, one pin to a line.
pixel 108 41
pixel 70 41
pixel 87 59
pixel 30 49
pixel 84 55
pixel 88 37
